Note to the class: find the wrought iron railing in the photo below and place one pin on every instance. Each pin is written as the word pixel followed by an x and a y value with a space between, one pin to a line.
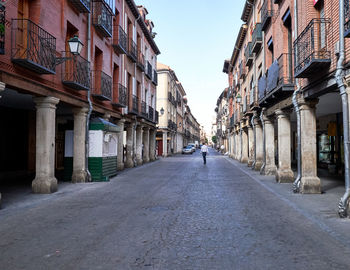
pixel 76 72
pixel 135 104
pixel 122 95
pixel 346 18
pixel 83 6
pixel 157 117
pixel 241 70
pixel 285 72
pixel 102 85
pixel 102 17
pixel 140 60
pixel 155 77
pixel 248 54
pixel 120 40
pixel 33 47
pixel 144 109
pixel 150 113
pixel 256 38
pixel 262 86
pixel 266 14
pixel 149 70
pixel 272 77
pixel 245 102
pixel 311 45
pixel 132 50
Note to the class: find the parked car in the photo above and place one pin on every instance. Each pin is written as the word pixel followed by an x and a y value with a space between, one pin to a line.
pixel 187 150
pixel 193 146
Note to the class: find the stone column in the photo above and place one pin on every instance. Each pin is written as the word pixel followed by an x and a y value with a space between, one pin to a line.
pixel 244 157
pixel 251 146
pixel 45 181
pixel 270 166
pixel 165 143
pixel 120 161
pixel 235 136
pixel 129 162
pixel 258 144
pixel 284 172
pixel 79 170
pixel 310 183
pixel 139 143
pixel 152 145
pixel 146 157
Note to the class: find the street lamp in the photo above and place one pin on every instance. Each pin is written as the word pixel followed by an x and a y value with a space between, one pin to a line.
pixel 161 111
pixel 75 45
pixel 238 98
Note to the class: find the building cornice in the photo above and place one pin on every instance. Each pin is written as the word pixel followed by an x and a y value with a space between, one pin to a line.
pixel 239 42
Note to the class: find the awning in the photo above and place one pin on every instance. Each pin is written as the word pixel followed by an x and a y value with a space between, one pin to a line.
pixel 102 124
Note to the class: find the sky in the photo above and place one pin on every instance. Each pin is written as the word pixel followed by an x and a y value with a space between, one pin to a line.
pixel 194 38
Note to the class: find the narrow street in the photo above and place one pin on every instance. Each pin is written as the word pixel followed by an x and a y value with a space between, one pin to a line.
pixel 174 213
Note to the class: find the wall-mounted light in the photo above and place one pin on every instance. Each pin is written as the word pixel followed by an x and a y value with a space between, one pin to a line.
pixel 162 111
pixel 238 98
pixel 75 45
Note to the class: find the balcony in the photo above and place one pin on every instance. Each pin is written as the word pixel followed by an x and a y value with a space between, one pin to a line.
pixel 170 97
pixel 262 87
pixel 122 96
pixel 83 6
pixel 150 114
pixel 102 17
pixel 310 49
pixel 32 47
pixel 257 38
pixel 232 123
pixel 346 18
pixel 132 50
pixel 120 40
pixel 135 105
pixel 241 71
pixel 157 117
pixel 144 110
pixel 266 14
pixel 76 72
pixel 248 54
pixel 155 78
pixel 149 70
pixel 140 60
pixel 245 104
pixel 102 86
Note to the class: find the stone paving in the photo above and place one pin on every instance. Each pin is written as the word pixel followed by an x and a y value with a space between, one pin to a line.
pixel 176 213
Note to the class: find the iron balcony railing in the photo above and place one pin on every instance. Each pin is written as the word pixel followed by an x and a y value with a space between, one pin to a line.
pixel 102 17
pixel 140 60
pixel 285 71
pixel 310 49
pixel 144 109
pixel 135 104
pixel 272 77
pixel 252 96
pixel 347 18
pixel 241 70
pixel 122 95
pixel 248 54
pixel 232 123
pixel 155 78
pixel 170 97
pixel 149 70
pixel 266 14
pixel 262 87
pixel 257 38
pixel 157 117
pixel 120 40
pixel 32 47
pixel 245 102
pixel 132 50
pixel 83 6
pixel 150 114
pixel 75 72
pixel 102 85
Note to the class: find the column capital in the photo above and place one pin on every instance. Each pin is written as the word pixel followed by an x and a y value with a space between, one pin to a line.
pixel 46 102
pixel 146 128
pixel 81 111
pixel 282 113
pixel 307 104
pixel 121 121
pixel 107 116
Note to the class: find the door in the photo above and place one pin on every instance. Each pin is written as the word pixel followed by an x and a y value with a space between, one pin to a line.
pixel 160 147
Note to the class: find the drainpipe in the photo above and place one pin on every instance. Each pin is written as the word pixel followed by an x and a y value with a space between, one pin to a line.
pixel 253 125
pixel 264 139
pixel 87 142
pixel 343 204
pixel 240 134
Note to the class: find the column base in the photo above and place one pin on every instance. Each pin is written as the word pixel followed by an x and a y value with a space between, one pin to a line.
pixel 129 163
pixel 152 158
pixel 139 161
pixel 257 165
pixel 268 170
pixel 120 166
pixel 44 185
pixel 243 160
pixel 310 185
pixel 250 162
pixel 79 176
pixel 285 176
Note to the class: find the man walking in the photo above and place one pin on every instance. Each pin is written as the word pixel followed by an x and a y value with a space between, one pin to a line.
pixel 204 152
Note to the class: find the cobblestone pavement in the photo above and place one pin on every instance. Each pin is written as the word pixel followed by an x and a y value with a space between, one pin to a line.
pixel 175 213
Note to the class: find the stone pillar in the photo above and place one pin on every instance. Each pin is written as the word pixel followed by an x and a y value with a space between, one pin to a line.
pixel 251 146
pixel 258 144
pixel 139 143
pixel 310 183
pixel 165 143
pixel 79 170
pixel 244 157
pixel 270 166
pixel 236 142
pixel 284 172
pixel 129 162
pixel 145 156
pixel 152 145
pixel 45 181
pixel 120 161
pixel 231 145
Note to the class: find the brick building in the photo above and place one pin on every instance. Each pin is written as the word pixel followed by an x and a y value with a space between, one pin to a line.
pixel 49 96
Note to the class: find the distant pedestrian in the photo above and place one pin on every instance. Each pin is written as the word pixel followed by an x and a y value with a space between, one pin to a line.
pixel 204 152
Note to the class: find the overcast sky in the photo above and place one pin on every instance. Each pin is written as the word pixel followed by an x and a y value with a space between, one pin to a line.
pixel 195 37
